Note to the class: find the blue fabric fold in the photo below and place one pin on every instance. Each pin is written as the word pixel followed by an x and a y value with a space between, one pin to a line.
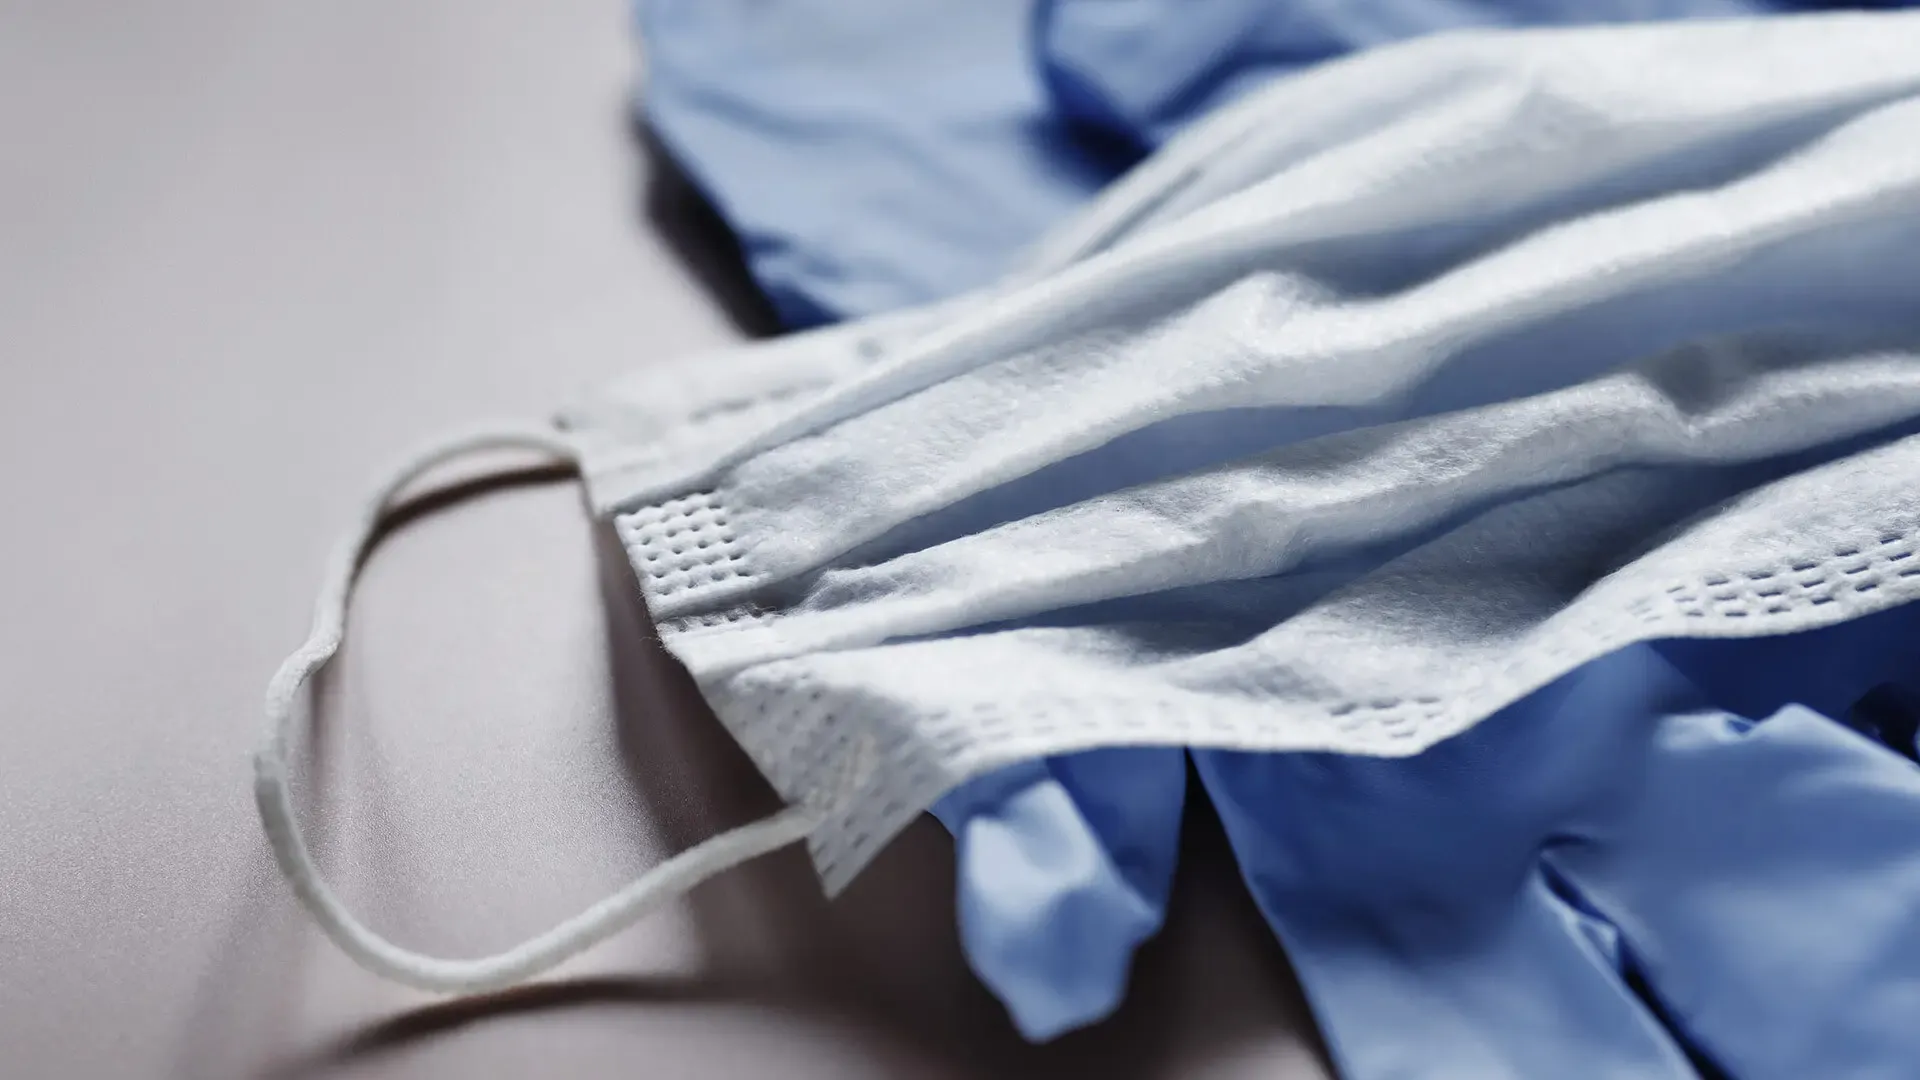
pixel 868 154
pixel 1141 70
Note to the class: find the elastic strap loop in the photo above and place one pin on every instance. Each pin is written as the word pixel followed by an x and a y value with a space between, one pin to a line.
pixel 540 953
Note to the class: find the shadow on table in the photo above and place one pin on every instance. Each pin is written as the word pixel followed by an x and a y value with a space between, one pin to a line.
pixel 673 207
pixel 425 1024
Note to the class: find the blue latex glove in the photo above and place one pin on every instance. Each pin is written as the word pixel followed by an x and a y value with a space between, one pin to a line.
pixel 1064 869
pixel 871 154
pixel 1482 910
pixel 868 154
pixel 1065 865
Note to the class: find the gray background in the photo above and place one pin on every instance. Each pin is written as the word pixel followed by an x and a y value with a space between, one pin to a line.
pixel 249 251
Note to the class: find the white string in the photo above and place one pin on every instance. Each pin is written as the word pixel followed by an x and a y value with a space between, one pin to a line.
pixel 599 922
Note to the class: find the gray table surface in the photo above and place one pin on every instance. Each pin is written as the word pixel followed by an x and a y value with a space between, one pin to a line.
pixel 248 252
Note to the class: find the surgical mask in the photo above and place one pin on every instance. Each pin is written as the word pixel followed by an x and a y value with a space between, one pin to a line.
pixel 1522 357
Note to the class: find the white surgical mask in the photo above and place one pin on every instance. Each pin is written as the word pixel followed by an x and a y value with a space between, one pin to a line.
pixel 1373 404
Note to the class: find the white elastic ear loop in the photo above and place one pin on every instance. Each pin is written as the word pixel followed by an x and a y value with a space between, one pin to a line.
pixel 597 923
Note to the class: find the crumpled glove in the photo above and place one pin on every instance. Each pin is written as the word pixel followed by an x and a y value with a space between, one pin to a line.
pixel 1624 870
pixel 1606 880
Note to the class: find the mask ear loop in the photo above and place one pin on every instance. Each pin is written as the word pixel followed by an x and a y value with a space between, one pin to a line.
pixel 542 952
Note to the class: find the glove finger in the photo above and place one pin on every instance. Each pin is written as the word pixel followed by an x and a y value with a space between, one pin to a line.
pixel 1064 869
